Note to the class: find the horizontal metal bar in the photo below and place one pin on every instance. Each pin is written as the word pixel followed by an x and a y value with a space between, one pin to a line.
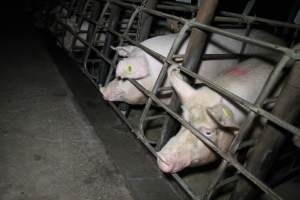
pixel 260 19
pixel 246 144
pixel 154 117
pixel 161 89
pixel 227 181
pixel 242 38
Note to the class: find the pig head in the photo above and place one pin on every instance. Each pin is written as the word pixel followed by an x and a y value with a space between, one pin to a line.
pixel 206 113
pixel 134 66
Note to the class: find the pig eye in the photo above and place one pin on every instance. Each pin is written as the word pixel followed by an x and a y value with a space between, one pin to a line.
pixel 206 131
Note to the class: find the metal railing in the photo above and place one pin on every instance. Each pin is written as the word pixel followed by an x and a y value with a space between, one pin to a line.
pixel 254 110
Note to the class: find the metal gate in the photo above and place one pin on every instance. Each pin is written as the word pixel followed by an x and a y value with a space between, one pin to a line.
pixel 98 62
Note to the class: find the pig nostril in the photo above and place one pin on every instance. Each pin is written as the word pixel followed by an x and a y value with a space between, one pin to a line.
pixel 165 167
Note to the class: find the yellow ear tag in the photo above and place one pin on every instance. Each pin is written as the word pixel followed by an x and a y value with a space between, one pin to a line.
pixel 226 112
pixel 129 69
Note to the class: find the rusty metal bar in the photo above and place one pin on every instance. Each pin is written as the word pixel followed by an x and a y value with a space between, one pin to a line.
pixel 192 59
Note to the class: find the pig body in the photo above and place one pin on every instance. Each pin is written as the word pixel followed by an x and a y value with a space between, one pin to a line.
pixel 217 118
pixel 145 69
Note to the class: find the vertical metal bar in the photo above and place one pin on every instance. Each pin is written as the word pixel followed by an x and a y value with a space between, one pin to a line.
pixel 131 20
pixel 244 45
pixel 94 31
pixel 265 152
pixel 194 52
pixel 109 38
pixel 175 47
pixel 143 33
pixel 80 20
pixel 146 20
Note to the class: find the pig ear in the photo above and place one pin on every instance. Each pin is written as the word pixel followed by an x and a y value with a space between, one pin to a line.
pixel 223 115
pixel 123 51
pixel 183 89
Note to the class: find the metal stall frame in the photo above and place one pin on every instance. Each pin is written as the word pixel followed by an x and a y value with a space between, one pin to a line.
pixel 254 109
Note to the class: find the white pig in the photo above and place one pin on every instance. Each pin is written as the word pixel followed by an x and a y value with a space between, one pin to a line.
pixel 145 69
pixel 216 117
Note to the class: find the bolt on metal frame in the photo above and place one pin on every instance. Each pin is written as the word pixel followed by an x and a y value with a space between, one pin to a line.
pixel 254 109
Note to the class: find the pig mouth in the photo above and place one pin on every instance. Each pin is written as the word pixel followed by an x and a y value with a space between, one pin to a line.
pixel 169 166
pixel 110 96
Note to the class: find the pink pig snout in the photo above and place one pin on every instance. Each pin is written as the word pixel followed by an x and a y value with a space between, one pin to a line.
pixel 109 94
pixel 170 163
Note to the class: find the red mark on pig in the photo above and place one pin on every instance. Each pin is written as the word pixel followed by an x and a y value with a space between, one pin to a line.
pixel 239 71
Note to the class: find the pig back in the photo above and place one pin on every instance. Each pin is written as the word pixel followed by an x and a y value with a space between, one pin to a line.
pixel 223 45
pixel 245 80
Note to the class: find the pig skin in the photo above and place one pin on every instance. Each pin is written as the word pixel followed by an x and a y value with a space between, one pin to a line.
pixel 184 149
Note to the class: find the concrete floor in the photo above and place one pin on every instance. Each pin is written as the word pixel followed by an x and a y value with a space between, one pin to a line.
pixel 49 148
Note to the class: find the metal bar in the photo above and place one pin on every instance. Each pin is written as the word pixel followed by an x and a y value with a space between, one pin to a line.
pixel 109 38
pixel 272 139
pixel 249 7
pixel 154 117
pixel 244 38
pixel 175 47
pixel 122 36
pixel 94 32
pixel 192 59
pixel 146 20
pixel 260 19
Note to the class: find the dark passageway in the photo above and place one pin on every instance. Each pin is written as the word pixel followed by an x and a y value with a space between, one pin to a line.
pixel 49 149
